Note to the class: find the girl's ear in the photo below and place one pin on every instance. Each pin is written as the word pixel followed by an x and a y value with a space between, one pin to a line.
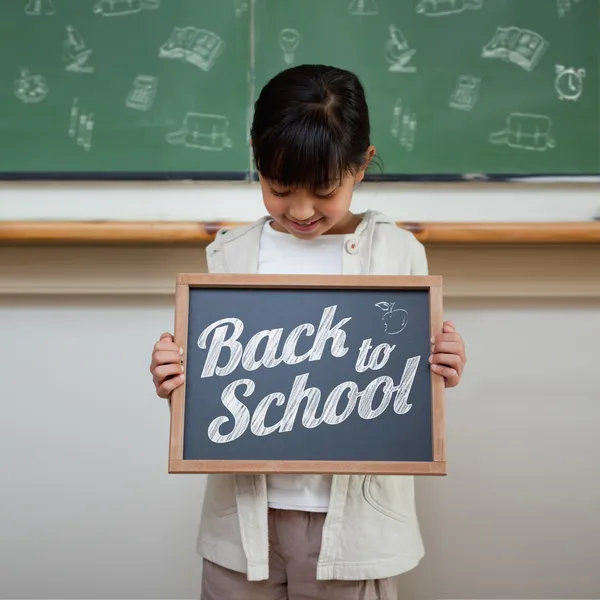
pixel 360 175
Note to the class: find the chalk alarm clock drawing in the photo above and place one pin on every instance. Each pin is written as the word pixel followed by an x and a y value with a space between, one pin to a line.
pixel 309 374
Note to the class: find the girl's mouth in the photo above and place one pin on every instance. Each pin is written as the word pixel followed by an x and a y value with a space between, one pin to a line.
pixel 305 227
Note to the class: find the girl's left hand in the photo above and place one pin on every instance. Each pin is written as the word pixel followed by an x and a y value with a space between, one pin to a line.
pixel 448 357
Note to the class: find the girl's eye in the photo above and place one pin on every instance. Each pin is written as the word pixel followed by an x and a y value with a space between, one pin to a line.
pixel 325 196
pixel 280 194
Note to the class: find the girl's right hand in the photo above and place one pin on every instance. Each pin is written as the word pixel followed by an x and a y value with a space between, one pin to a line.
pixel 166 366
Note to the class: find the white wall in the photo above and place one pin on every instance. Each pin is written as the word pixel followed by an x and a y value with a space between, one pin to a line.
pixel 89 511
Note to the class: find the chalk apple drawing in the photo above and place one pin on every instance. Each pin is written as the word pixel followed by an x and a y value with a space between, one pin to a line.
pixel 395 319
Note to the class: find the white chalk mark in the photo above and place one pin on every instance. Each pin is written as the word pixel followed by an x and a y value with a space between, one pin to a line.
pixel 466 93
pixel 40 8
pixel 398 53
pixel 521 47
pixel 569 83
pixel 75 52
pixel 401 405
pixel 363 8
pixel 289 40
pixel 202 132
pixel 394 320
pixel 404 125
pixel 564 6
pixel 30 89
pixel 525 131
pixel 439 8
pixel 81 126
pixel 142 93
pixel 240 7
pixel 119 8
pixel 198 47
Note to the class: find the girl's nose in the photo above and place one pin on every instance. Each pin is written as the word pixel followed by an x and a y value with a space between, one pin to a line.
pixel 301 211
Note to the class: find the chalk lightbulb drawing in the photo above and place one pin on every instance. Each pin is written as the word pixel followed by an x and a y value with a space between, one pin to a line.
pixel 394 319
pixel 289 40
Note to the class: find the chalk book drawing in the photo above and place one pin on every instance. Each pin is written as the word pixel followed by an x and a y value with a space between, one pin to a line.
pixel 198 47
pixel 522 47
pixel 30 89
pixel 439 8
pixel 394 320
pixel 119 8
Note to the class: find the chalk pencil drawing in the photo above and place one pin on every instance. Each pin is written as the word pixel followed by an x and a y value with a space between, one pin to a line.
pixel 143 92
pixel 466 93
pixel 198 47
pixel 289 40
pixel 569 83
pixel 40 8
pixel 394 320
pixel 30 89
pixel 120 8
pixel 363 8
pixel 565 6
pixel 439 8
pixel 240 7
pixel 404 125
pixel 76 53
pixel 81 126
pixel 525 131
pixel 202 132
pixel 521 47
pixel 398 53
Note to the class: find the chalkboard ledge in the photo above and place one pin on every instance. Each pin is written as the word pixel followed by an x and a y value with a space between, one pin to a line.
pixel 203 232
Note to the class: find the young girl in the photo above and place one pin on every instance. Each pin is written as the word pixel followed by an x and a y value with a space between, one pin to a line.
pixel 305 537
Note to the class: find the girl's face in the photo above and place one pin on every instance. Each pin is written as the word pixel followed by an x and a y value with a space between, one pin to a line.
pixel 307 214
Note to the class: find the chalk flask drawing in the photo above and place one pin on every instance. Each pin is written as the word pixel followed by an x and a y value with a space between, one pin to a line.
pixel 394 320
pixel 38 8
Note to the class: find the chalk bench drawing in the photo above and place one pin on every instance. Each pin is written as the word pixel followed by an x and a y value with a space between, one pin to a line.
pixel 521 47
pixel 198 47
pixel 439 8
pixel 40 8
pixel 120 8
pixel 525 131
pixel 30 89
pixel 394 320
pixel 76 54
pixel 202 132
pixel 569 83
pixel 398 53
pixel 289 40
pixel 142 93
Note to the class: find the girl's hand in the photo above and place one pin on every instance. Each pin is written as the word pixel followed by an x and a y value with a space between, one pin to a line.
pixel 166 366
pixel 448 357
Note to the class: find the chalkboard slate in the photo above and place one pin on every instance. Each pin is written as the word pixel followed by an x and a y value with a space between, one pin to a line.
pixel 152 89
pixel 307 374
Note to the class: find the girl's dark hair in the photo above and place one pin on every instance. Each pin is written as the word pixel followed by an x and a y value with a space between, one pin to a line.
pixel 311 127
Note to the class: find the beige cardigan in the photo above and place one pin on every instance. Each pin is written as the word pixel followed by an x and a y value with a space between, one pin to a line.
pixel 371 530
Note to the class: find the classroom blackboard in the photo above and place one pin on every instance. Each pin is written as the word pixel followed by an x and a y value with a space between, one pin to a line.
pixel 151 89
pixel 307 374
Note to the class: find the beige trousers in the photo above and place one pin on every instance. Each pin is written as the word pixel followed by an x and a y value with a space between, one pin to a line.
pixel 294 545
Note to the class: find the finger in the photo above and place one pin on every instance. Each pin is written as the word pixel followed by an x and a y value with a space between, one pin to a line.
pixel 162 372
pixel 165 357
pixel 167 335
pixel 447 337
pixel 166 345
pixel 448 348
pixel 447 360
pixel 450 375
pixel 165 389
pixel 449 327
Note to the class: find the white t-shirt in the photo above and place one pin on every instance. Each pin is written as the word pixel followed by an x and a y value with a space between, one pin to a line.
pixel 283 254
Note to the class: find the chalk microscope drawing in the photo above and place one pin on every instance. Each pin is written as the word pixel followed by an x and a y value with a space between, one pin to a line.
pixel 119 8
pixel 404 125
pixel 40 8
pixel 439 8
pixel 525 131
pixel 199 47
pixel 202 132
pixel 81 126
pixel 394 320
pixel 398 53
pixel 363 8
pixel 240 7
pixel 569 83
pixel 564 6
pixel 466 93
pixel 76 54
pixel 521 47
pixel 224 335
pixel 289 40
pixel 142 93
pixel 30 89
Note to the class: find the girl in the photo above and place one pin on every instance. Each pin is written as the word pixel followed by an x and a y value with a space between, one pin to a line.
pixel 308 537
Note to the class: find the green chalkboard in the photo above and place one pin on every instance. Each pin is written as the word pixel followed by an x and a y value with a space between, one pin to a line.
pixel 164 88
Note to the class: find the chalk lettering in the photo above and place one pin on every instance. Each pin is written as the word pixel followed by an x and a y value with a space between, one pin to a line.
pixel 218 343
pixel 401 405
pixel 374 364
pixel 238 410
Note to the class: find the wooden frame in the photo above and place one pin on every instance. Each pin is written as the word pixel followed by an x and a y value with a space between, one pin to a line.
pixel 184 282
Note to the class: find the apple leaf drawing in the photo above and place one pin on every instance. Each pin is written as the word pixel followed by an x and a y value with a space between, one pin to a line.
pixel 394 319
